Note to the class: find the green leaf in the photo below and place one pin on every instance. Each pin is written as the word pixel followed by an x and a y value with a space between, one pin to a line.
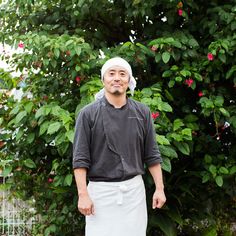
pixel 53 63
pixel 219 101
pixel 230 72
pixel 190 118
pixel 222 57
pixel 210 231
pixel 30 138
pixel 167 73
pixel 40 112
pixel 164 106
pixel 50 229
pixel 175 215
pixel 232 170
pixel 185 73
pixel 177 44
pixel 205 178
pixel 29 163
pixel 161 139
pixel 165 57
pixel 212 169
pixel 70 135
pixel 233 25
pixel 166 164
pixel 177 124
pixel 43 127
pixel 224 112
pixel 68 180
pixel 60 138
pixel 168 151
pixel 147 92
pixel 56 52
pixel 176 137
pixel 208 158
pixel 29 106
pixel 164 223
pixel 193 42
pixel 219 180
pixel 54 127
pixel 223 170
pixel 45 62
pixel 174 68
pixel 19 134
pixel 157 57
pixel 56 110
pixel 171 83
pixel 62 148
pixel 198 76
pixel 187 132
pixel 183 147
pixel 77 68
pixel 77 50
pixel 178 79
pixel 20 116
pixel 6 171
pixel 15 110
pixel 69 42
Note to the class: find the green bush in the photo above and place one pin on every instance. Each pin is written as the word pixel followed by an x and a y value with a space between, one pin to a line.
pixel 183 54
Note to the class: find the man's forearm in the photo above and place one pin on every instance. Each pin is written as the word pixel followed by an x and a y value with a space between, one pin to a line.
pixel 159 198
pixel 156 173
pixel 80 178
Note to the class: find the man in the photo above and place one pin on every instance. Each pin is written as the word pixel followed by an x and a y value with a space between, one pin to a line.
pixel 114 138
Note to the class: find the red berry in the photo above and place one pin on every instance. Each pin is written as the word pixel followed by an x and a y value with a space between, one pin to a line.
pixel 200 94
pixel 180 12
pixel 77 79
pixel 210 56
pixel 153 48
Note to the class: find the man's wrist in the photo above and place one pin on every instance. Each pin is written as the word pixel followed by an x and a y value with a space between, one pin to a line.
pixel 83 193
pixel 160 188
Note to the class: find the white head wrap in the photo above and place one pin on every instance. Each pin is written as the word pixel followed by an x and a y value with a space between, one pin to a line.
pixel 117 61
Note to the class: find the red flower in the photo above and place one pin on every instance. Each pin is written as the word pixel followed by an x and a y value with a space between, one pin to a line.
pixel 153 48
pixel 155 115
pixel 45 97
pixel 189 82
pixel 50 180
pixel 180 12
pixel 210 56
pixel 77 79
pixel 200 94
pixel 2 144
pixel 21 45
pixel 68 53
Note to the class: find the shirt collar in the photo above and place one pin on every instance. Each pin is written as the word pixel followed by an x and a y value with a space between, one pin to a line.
pixel 106 103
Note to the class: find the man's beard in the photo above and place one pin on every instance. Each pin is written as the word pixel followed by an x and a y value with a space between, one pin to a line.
pixel 117 93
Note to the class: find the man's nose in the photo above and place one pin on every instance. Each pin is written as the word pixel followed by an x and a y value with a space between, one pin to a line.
pixel 117 76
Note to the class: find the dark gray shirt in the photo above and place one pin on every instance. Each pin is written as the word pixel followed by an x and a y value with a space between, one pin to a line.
pixel 114 143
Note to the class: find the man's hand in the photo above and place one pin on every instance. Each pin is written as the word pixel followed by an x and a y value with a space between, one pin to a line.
pixel 85 205
pixel 158 199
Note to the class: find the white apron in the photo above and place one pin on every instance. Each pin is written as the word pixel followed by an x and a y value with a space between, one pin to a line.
pixel 120 208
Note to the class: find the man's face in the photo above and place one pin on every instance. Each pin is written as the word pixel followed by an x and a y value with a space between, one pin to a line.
pixel 116 80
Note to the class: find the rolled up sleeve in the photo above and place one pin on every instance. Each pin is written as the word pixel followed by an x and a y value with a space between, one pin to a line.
pixel 81 144
pixel 152 154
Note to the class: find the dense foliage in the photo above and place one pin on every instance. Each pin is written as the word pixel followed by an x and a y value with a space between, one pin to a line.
pixel 183 55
